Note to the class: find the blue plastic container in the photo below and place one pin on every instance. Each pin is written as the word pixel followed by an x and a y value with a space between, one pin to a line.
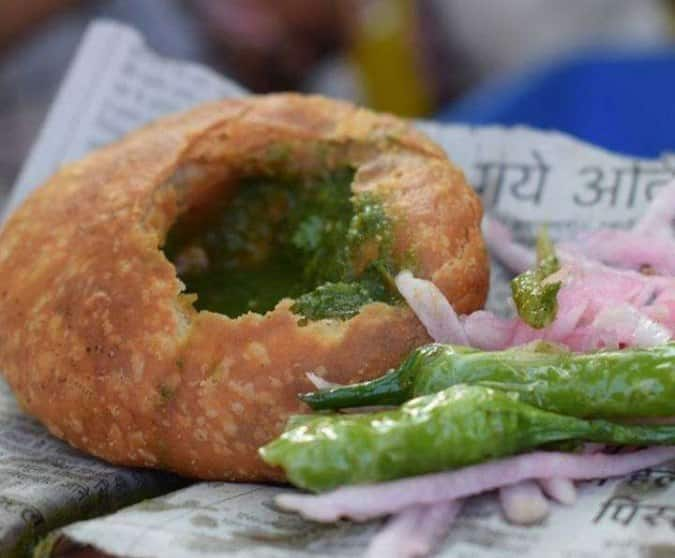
pixel 622 101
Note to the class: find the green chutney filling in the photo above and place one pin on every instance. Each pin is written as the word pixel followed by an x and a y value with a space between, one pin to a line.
pixel 305 238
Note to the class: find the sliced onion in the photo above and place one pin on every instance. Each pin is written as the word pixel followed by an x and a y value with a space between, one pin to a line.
pixel 560 489
pixel 660 213
pixel 363 502
pixel 319 382
pixel 487 331
pixel 516 257
pixel 416 531
pixel 603 285
pixel 523 503
pixel 598 307
pixel 432 309
pixel 627 249
pixel 624 325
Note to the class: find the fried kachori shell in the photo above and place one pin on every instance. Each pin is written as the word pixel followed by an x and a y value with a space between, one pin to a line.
pixel 99 343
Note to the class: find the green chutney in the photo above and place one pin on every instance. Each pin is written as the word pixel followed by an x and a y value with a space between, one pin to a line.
pixel 305 238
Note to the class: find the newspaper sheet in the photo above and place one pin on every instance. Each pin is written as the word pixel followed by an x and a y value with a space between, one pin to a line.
pixel 527 177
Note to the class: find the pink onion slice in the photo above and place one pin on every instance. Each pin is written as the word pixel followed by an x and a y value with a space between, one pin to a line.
pixel 516 257
pixel 319 382
pixel 432 309
pixel 414 532
pixel 487 331
pixel 364 502
pixel 627 249
pixel 598 307
pixel 523 503
pixel 660 212
pixel 559 489
pixel 624 325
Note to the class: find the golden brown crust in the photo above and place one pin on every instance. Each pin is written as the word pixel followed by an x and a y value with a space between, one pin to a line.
pixel 99 344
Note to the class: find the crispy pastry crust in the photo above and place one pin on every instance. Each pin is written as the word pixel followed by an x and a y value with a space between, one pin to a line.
pixel 99 344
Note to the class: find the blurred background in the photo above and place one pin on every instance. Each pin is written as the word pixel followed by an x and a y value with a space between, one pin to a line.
pixel 603 70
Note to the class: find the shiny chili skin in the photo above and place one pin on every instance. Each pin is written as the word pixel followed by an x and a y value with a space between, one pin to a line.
pixel 629 383
pixel 459 426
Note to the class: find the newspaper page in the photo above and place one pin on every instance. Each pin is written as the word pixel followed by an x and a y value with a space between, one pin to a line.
pixel 526 177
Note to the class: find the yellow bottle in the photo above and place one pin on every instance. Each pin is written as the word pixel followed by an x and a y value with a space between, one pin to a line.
pixel 383 52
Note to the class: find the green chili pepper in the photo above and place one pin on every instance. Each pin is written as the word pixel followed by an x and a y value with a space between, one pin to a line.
pixel 535 299
pixel 459 426
pixel 610 384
